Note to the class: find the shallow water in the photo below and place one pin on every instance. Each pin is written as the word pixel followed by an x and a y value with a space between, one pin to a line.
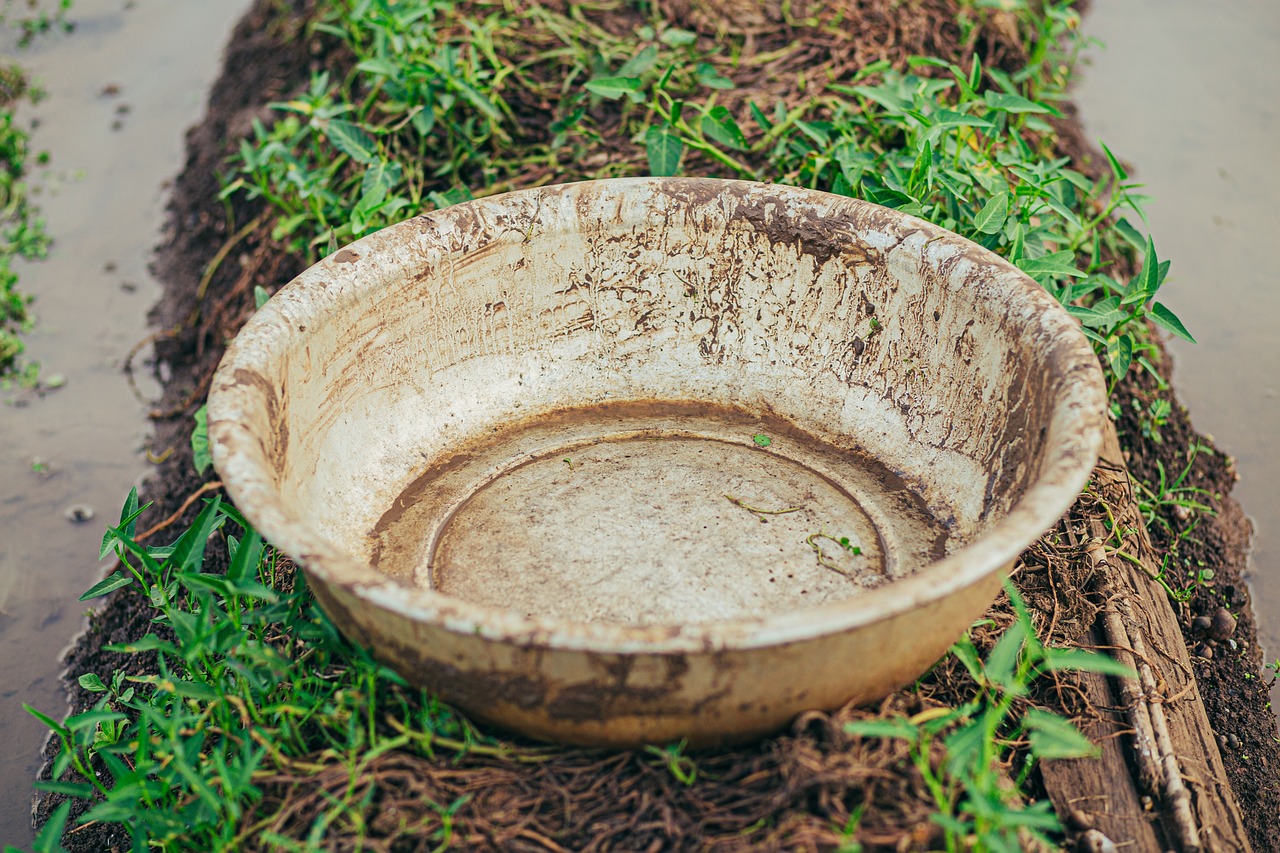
pixel 122 89
pixel 1186 91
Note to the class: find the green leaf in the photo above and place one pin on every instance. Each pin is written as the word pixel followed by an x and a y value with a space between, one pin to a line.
pixel 349 139
pixel 1130 234
pixel 450 197
pixel 569 121
pixel 424 121
pixel 898 727
pixel 1120 355
pixel 1009 103
pixel 945 119
pixel 200 455
pixel 83 790
pixel 111 583
pixel 50 722
pixel 884 95
pixel 965 745
pixel 1147 281
pixel 718 125
pixel 1002 663
pixel 50 838
pixel 128 522
pixel 1056 264
pixel 760 117
pixel 968 655
pixel 188 551
pixel 378 67
pixel 1085 660
pixel 91 682
pixel 614 88
pixel 379 179
pixel 476 98
pixel 1116 168
pixel 708 76
pixel 1054 737
pixel 818 131
pixel 149 643
pixel 92 719
pixel 640 64
pixel 129 512
pixel 260 298
pixel 1166 319
pixel 664 149
pixel 676 37
pixel 247 557
pixel 993 215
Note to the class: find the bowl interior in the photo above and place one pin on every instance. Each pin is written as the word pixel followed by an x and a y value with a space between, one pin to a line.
pixel 651 403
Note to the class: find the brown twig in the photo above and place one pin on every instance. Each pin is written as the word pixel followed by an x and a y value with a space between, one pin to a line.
pixel 133 352
pixel 757 510
pixel 207 487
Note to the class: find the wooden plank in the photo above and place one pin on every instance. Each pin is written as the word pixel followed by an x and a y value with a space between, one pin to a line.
pixel 1169 752
pixel 1102 793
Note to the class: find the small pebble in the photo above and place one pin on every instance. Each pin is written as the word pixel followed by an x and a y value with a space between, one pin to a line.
pixel 1223 624
pixel 1233 742
pixel 1231 644
pixel 1095 842
pixel 1201 624
pixel 78 513
pixel 1222 741
pixel 1206 652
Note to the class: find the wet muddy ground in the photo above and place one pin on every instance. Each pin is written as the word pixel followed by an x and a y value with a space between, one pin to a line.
pixel 122 88
pixel 1201 131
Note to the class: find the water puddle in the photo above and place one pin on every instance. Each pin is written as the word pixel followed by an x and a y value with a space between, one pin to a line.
pixel 1186 91
pixel 122 89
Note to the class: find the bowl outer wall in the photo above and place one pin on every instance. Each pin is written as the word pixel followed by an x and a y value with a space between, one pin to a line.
pixel 614 684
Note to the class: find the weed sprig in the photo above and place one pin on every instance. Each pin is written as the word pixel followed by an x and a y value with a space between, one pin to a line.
pixel 976 810
pixel 22 231
pixel 252 680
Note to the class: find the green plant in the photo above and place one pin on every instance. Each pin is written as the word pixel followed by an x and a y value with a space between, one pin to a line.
pixel 35 19
pixel 680 765
pixel 1174 496
pixel 250 680
pixel 22 231
pixel 1154 418
pixel 350 157
pixel 976 810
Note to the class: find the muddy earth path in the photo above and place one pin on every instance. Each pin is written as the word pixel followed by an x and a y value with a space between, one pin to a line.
pixel 122 88
pixel 1214 177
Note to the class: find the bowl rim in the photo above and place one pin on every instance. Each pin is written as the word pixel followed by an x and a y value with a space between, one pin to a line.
pixel 1077 418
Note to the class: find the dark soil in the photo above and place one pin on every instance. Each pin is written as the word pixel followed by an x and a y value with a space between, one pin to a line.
pixel 1230 671
pixel 794 791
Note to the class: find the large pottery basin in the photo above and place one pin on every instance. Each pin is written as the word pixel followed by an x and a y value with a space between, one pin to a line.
pixel 636 460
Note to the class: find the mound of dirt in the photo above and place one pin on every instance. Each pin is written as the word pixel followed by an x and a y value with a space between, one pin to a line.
pixel 798 790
